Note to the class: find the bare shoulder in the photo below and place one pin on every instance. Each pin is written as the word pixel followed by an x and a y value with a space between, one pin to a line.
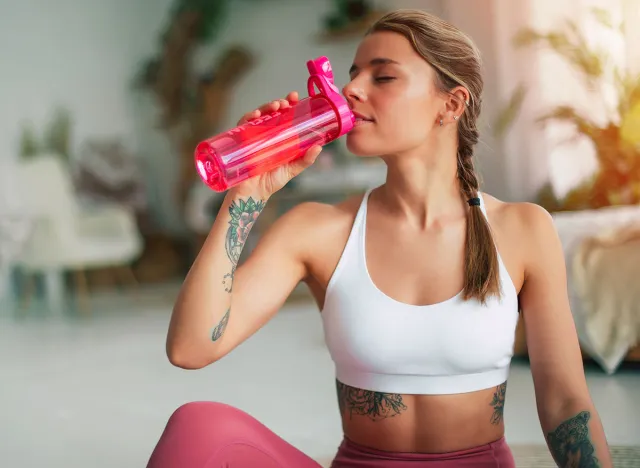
pixel 525 223
pixel 317 216
pixel 311 224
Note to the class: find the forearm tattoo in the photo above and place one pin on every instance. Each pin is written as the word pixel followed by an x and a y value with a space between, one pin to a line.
pixel 219 329
pixel 244 214
pixel 498 403
pixel 571 445
pixel 374 405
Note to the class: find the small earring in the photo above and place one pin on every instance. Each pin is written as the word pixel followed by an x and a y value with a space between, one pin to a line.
pixel 441 123
pixel 455 117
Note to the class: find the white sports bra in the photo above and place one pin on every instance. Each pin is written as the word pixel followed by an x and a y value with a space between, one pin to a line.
pixel 380 344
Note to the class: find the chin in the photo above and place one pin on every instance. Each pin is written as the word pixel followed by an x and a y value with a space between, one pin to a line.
pixel 362 146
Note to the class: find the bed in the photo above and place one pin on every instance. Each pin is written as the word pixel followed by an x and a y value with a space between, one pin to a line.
pixel 602 254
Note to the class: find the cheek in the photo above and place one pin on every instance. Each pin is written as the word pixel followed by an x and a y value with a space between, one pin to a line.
pixel 405 116
pixel 409 95
pixel 408 119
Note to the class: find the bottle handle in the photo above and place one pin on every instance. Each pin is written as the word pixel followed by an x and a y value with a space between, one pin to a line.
pixel 321 77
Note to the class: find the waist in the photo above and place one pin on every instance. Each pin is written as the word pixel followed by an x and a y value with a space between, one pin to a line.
pixel 418 384
pixel 352 454
pixel 421 423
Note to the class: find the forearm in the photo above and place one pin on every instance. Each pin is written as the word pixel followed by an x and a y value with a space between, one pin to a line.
pixel 575 436
pixel 203 308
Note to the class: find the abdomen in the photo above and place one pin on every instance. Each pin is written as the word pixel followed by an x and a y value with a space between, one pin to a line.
pixel 422 423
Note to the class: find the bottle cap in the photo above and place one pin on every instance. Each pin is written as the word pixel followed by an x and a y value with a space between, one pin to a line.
pixel 321 77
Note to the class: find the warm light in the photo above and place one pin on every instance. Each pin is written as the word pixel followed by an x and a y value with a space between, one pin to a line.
pixel 630 128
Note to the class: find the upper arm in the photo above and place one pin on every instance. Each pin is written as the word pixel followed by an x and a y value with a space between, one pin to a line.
pixel 263 282
pixel 552 341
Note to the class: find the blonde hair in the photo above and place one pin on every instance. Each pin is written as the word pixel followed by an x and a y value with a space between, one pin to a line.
pixel 457 62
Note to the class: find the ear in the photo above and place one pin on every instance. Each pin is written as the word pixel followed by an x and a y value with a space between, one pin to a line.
pixel 457 102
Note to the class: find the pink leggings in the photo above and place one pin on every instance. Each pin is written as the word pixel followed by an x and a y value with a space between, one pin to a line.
pixel 215 435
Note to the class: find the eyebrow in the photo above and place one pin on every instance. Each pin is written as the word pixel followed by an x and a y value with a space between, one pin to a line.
pixel 374 62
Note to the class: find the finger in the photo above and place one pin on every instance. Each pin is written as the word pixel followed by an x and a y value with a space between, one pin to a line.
pixel 299 165
pixel 293 97
pixel 270 107
pixel 249 116
pixel 312 154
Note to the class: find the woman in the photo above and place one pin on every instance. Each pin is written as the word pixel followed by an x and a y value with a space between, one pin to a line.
pixel 419 282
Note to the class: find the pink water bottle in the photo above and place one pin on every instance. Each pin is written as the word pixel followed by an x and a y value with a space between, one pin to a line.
pixel 263 144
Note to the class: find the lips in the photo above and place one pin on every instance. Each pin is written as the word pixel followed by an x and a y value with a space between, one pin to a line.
pixel 361 119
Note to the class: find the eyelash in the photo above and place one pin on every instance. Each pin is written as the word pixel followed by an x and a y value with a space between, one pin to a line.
pixel 384 79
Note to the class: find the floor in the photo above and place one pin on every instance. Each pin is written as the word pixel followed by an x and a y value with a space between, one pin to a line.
pixel 96 391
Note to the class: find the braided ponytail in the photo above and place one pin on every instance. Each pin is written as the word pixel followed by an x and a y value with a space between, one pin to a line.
pixel 481 278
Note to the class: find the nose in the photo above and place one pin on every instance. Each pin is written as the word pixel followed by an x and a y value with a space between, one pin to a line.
pixel 354 93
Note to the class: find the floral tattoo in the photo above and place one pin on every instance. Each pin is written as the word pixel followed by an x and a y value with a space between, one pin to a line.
pixel 244 214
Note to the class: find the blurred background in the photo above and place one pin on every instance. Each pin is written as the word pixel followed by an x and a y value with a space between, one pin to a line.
pixel 102 213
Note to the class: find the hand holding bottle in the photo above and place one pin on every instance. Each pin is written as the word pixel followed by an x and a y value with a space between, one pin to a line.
pixel 265 185
pixel 276 142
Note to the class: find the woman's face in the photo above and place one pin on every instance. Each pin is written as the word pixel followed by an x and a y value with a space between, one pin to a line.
pixel 393 94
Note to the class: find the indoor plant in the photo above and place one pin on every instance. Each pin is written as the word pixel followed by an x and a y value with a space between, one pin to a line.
pixel 617 140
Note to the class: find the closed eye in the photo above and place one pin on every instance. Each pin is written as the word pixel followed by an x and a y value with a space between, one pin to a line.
pixel 384 79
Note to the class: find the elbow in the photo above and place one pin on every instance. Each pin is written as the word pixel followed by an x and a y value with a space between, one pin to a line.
pixel 187 359
pixel 184 362
pixel 553 411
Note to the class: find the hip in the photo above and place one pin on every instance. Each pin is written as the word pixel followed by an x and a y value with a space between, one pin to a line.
pixel 494 454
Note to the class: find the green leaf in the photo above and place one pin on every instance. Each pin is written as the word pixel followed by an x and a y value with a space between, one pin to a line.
pixel 526 37
pixel 617 179
pixel 510 112
pixel 29 145
pixel 628 87
pixel 250 206
pixel 569 44
pixel 603 17
pixel 212 14
pixel 58 136
pixel 234 210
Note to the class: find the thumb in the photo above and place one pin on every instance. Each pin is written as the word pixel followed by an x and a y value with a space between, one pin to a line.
pixel 299 165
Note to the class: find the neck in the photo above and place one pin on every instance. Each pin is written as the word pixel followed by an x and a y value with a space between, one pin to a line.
pixel 423 185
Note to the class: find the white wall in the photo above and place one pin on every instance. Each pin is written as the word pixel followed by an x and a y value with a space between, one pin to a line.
pixel 478 20
pixel 524 149
pixel 79 54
